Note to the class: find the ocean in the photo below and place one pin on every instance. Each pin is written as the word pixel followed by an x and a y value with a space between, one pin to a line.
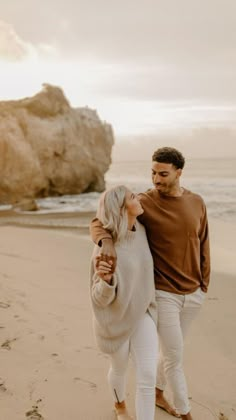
pixel 213 179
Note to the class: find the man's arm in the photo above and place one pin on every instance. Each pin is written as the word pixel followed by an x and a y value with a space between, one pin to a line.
pixel 205 252
pixel 97 232
pixel 103 238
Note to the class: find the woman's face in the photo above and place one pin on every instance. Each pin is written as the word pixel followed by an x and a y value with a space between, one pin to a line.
pixel 132 204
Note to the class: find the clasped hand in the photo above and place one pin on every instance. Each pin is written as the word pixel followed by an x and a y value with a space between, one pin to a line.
pixel 104 268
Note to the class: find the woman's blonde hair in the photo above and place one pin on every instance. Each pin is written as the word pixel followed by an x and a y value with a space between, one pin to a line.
pixel 112 212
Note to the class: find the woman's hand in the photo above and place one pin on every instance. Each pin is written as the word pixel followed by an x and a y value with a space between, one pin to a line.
pixel 104 269
pixel 108 252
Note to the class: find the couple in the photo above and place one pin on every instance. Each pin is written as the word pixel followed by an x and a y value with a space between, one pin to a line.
pixel 122 294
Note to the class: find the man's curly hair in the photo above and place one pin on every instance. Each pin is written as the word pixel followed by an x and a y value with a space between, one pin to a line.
pixel 169 155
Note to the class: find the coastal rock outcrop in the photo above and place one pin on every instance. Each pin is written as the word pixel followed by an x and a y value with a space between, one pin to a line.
pixel 48 148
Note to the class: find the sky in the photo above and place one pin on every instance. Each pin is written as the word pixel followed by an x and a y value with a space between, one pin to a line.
pixel 145 65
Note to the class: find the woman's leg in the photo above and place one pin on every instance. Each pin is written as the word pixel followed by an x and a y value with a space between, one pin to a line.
pixel 117 380
pixel 117 372
pixel 144 349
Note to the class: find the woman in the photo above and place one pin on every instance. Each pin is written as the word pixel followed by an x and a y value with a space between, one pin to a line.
pixel 124 304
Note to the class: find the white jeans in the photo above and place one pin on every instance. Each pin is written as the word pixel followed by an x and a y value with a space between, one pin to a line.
pixel 175 315
pixel 143 347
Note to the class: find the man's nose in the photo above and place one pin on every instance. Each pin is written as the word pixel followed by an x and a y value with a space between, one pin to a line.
pixel 156 178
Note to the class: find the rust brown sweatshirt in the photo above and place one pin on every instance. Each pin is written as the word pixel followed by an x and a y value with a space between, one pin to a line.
pixel 177 232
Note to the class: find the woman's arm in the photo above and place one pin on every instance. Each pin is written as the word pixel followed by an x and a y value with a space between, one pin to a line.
pixel 103 238
pixel 104 283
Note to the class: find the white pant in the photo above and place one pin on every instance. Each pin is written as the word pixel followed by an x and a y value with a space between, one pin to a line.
pixel 143 347
pixel 175 315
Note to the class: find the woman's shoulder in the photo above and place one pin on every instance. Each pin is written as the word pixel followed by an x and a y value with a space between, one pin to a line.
pixel 131 239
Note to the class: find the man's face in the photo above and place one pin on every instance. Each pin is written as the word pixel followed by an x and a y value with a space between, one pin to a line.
pixel 165 177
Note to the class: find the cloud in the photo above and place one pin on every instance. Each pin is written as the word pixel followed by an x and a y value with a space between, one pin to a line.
pixel 157 49
pixel 15 49
pixel 186 83
pixel 12 48
pixel 182 31
pixel 149 50
pixel 47 51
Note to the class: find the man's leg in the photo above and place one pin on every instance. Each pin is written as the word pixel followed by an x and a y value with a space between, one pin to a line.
pixel 176 313
pixel 171 339
pixel 161 401
pixel 192 306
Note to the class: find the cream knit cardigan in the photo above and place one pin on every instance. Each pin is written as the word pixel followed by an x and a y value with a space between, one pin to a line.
pixel 118 307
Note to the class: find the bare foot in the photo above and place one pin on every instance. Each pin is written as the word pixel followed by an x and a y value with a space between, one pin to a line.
pixel 187 416
pixel 122 412
pixel 161 402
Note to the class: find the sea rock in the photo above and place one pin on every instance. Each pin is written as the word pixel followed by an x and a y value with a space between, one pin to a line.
pixel 48 148
pixel 26 204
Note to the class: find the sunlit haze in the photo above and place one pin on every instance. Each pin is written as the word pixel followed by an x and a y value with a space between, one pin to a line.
pixel 146 67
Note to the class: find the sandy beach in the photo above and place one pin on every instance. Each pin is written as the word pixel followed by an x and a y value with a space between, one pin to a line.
pixel 50 366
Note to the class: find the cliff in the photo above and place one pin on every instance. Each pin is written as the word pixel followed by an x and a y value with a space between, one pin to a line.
pixel 48 148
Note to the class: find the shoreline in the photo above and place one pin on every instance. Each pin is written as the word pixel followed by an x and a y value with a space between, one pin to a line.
pixel 79 218
pixel 78 221
pixel 222 233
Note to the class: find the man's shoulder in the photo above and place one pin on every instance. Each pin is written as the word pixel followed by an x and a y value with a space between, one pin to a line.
pixel 147 194
pixel 193 196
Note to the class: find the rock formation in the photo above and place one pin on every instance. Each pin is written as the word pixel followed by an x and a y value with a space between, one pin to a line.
pixel 48 148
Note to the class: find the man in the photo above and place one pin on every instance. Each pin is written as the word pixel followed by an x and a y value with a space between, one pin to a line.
pixel 177 229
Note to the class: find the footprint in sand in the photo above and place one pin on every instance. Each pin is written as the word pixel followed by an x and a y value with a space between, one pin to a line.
pixel 7 344
pixel 2 386
pixel 41 337
pixel 6 276
pixel 91 385
pixel 4 305
pixel 223 417
pixel 55 357
pixel 34 414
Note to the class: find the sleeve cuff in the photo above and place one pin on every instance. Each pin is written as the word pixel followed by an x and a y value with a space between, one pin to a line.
pixel 100 239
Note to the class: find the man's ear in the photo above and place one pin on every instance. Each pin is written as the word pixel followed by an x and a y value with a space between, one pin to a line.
pixel 179 172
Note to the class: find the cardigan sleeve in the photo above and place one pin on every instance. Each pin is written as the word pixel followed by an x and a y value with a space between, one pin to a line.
pixel 102 293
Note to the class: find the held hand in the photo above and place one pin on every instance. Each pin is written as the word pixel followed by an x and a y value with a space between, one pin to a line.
pixel 103 269
pixel 108 253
